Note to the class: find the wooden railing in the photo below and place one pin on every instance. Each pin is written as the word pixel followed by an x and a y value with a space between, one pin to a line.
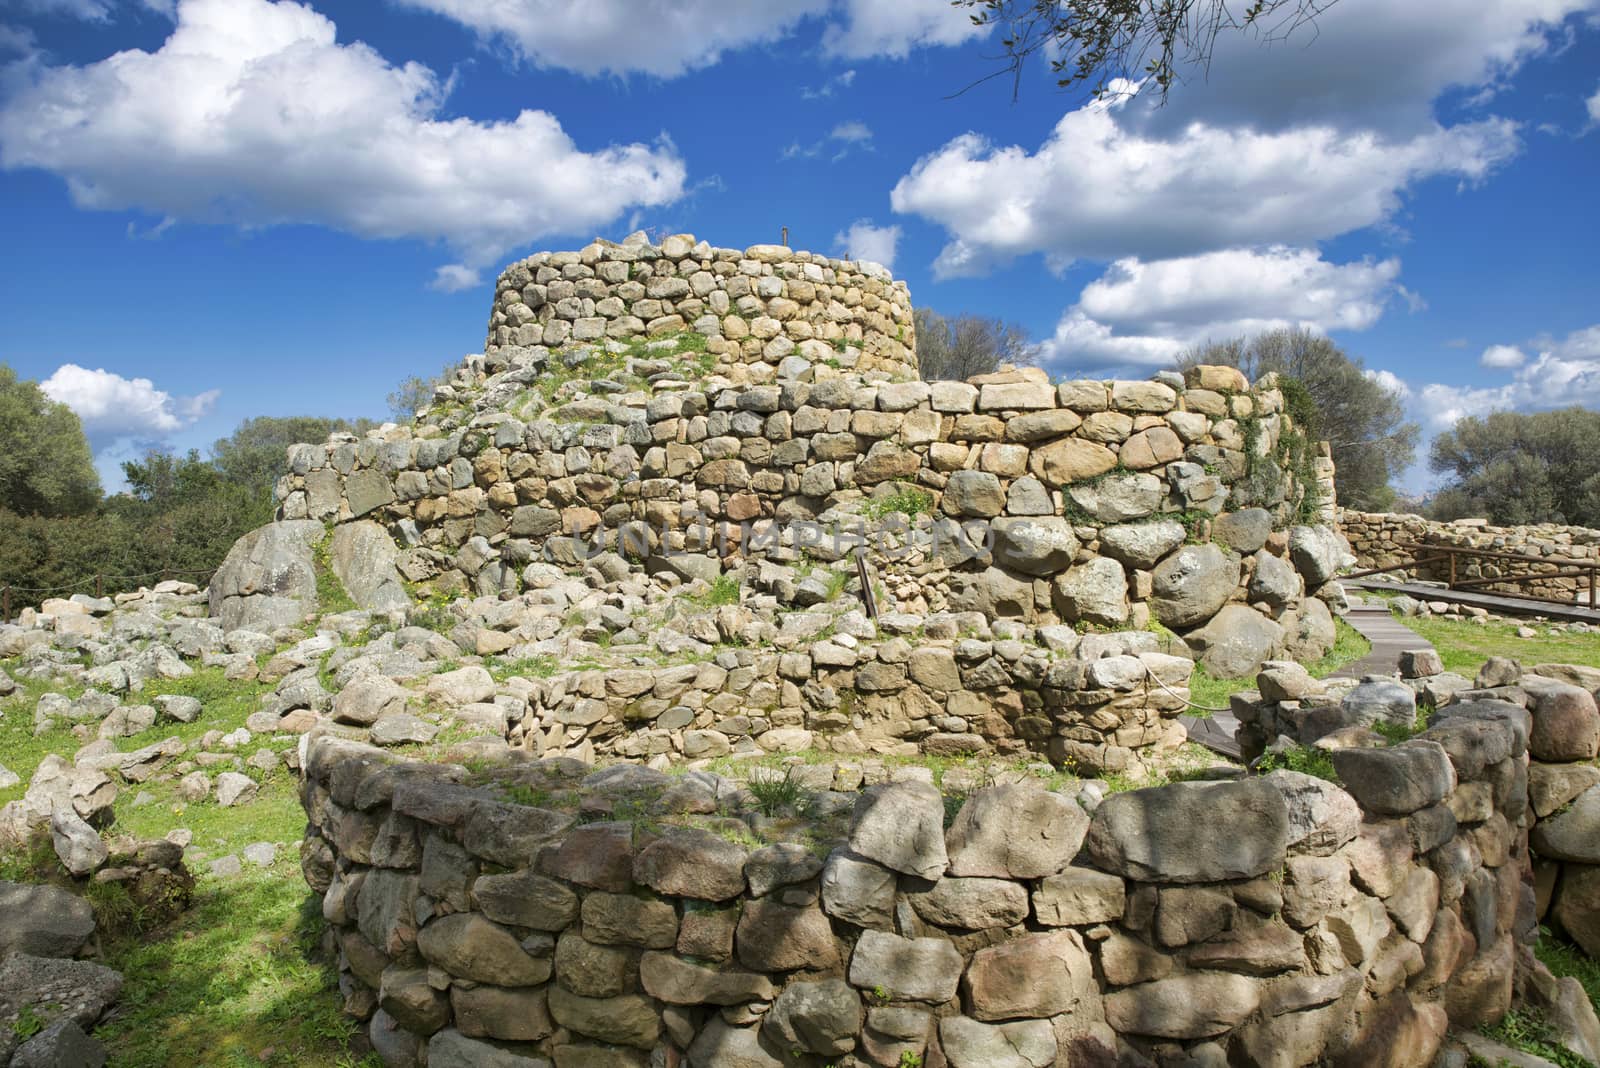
pixel 1450 556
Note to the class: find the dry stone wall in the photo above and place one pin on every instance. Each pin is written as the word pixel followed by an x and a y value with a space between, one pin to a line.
pixel 543 911
pixel 757 308
pixel 1376 539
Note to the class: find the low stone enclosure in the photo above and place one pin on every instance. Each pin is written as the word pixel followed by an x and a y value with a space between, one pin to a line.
pixel 519 912
pixel 1376 537
pixel 783 435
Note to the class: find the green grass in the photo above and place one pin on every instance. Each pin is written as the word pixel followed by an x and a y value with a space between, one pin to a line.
pixel 1464 646
pixel 331 594
pixel 724 589
pixel 1212 692
pixel 906 500
pixel 1307 760
pixel 529 667
pixel 233 983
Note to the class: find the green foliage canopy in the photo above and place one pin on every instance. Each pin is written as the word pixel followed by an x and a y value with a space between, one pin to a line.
pixel 46 467
pixel 1518 467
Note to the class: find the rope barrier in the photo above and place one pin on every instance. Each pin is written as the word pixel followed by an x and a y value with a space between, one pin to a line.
pixel 1179 696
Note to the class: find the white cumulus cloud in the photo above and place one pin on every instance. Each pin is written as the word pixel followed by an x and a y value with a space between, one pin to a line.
pixel 664 38
pixel 1503 356
pixel 1389 381
pixel 894 27
pixel 1563 371
pixel 864 241
pixel 252 114
pixel 1593 104
pixel 1096 189
pixel 1144 313
pixel 112 407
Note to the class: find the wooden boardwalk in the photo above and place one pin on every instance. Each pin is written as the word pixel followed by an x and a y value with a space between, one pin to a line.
pixel 1218 731
pixel 1499 603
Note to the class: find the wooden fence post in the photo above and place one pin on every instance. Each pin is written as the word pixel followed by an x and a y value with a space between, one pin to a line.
pixel 99 586
pixel 5 605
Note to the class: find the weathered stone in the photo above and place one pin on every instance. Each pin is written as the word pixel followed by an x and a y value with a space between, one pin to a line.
pixel 901 826
pixel 858 891
pixel 1244 531
pixel 518 1014
pixel 406 995
pixel 77 845
pixel 774 937
pixel 1566 724
pixel 911 969
pixel 1024 1044
pixel 626 920
pixel 677 982
pixel 1188 914
pixel 526 899
pixel 268 578
pixel 823 1018
pixel 1319 553
pixel 469 946
pixel 1079 896
pixel 1191 585
pixel 1036 975
pixel 43 921
pixel 690 862
pixel 451 1049
pixel 1184 1006
pixel 973 493
pixel 1398 780
pixel 1574 833
pixel 626 1020
pixel 721 1045
pixel 1151 834
pixel 1095 591
pixel 1142 545
pixel 363 558
pixel 1015 832
pixel 973 904
pixel 778 865
pixel 1322 816
pixel 1236 641
pixel 1040 545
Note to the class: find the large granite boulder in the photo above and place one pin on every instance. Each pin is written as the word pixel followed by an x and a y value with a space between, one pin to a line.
pixel 44 921
pixel 269 577
pixel 1191 832
pixel 1236 642
pixel 1192 585
pixel 364 558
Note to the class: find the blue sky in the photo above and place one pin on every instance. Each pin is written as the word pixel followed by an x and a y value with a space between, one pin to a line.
pixel 215 209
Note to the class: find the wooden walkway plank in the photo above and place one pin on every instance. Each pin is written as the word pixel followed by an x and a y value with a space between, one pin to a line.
pixel 1500 603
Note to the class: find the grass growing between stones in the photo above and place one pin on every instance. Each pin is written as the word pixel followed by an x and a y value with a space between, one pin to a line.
pixel 1348 647
pixel 234 982
pixel 1464 646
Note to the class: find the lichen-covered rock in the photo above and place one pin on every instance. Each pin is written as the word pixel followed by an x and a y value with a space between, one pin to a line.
pixel 268 579
pixel 1192 585
pixel 1151 834
pixel 901 826
pixel 1015 832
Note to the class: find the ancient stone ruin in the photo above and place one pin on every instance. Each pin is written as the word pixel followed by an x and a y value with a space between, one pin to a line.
pixel 653 428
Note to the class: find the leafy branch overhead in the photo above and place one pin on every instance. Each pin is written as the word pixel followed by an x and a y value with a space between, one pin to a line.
pixel 1113 45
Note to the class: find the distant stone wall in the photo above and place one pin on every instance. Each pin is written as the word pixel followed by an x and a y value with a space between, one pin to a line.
pixel 544 910
pixel 757 307
pixel 1376 537
pixel 1106 504
pixel 1090 703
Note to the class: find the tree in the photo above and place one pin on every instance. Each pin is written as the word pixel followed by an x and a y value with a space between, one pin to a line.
pixel 1112 43
pixel 1362 420
pixel 966 345
pixel 416 393
pixel 254 455
pixel 46 467
pixel 1515 467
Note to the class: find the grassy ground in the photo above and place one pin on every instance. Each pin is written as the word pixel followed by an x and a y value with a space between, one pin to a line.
pixel 1465 646
pixel 1212 692
pixel 235 980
